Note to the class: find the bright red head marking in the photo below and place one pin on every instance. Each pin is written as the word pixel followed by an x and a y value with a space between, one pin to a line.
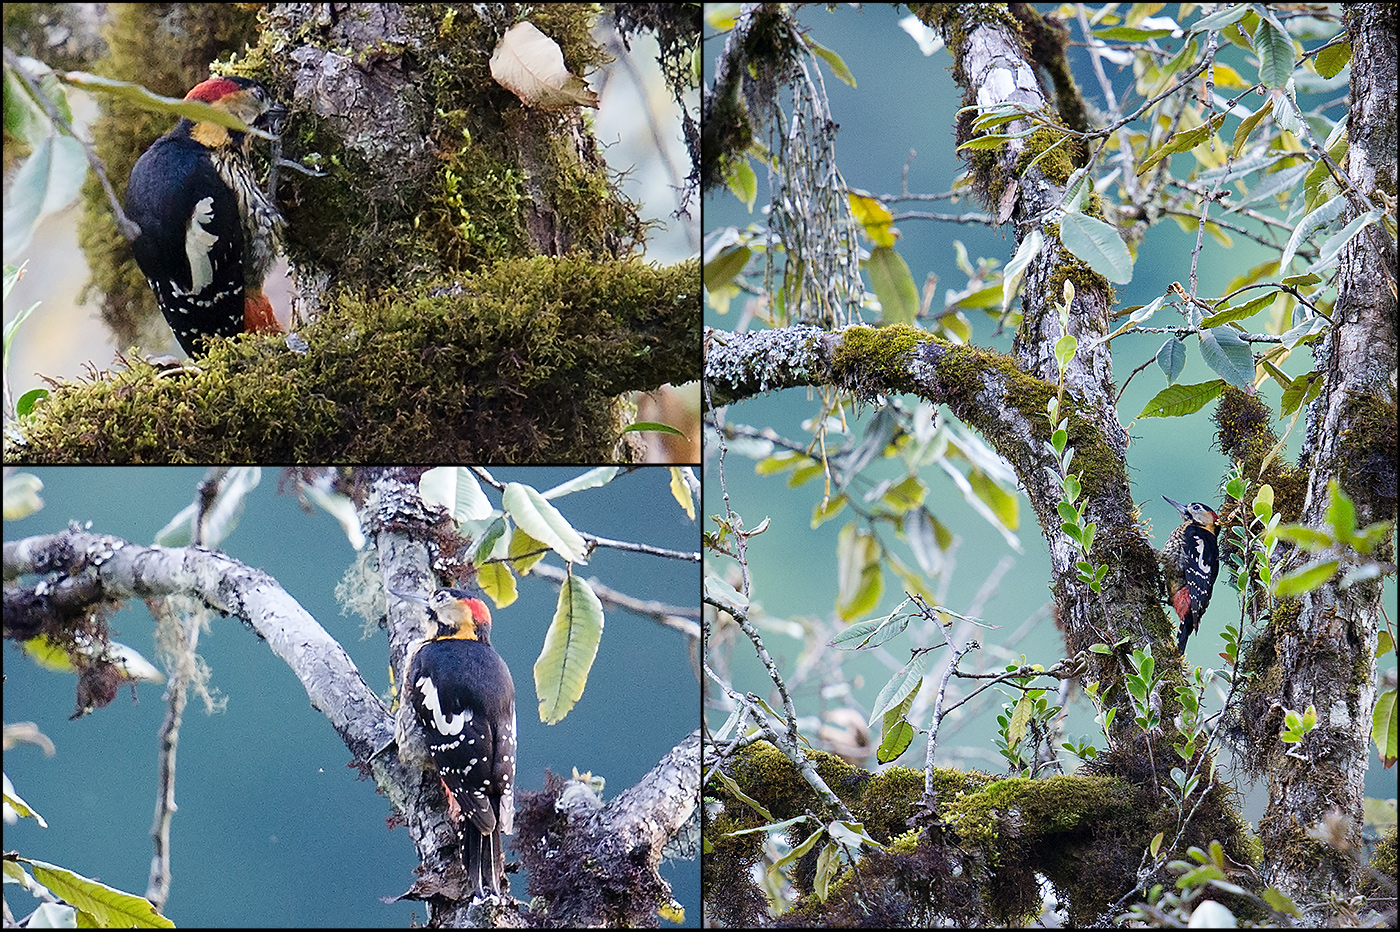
pixel 213 89
pixel 481 615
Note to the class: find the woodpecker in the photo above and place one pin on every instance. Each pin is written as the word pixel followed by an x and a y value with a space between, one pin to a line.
pixel 464 698
pixel 208 232
pixel 1191 560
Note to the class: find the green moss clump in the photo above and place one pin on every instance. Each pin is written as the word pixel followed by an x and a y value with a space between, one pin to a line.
pixel 871 360
pixel 519 363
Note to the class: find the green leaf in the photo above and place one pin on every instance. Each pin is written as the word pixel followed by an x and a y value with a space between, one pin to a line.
pixel 498 582
pixel 561 671
pixel 652 427
pixel 1171 358
pixel 47 181
pixel 524 551
pixel 340 507
pixel 898 712
pixel 1247 126
pixel 871 633
pixel 981 506
pixel 1221 18
pixel 826 509
pixel 1383 727
pixel 1331 60
pixel 1178 63
pixel 733 787
pixel 851 834
pixel 455 489
pixel 98 905
pixel 722 264
pixel 195 110
pixel 919 531
pixel 828 864
pixel 1239 311
pixel 801 849
pixel 725 595
pixel 27 402
pixel 858 579
pixel 22 495
pixel 895 741
pixel 1099 245
pixel 542 521
pixel 739 176
pixel 907 679
pixel 594 478
pixel 723 17
pixel 893 284
pixel 1016 269
pixel 1005 505
pixel 222 515
pixel 1308 538
pixel 834 61
pixel 779 462
pixel 901 497
pixel 1341 513
pixel 1264 501
pixel 128 662
pixel 680 491
pixel 1327 255
pixel 1132 33
pixel 1178 400
pixel 1020 718
pixel 994 116
pixel 1228 355
pixel 1275 51
pixel 1183 141
pixel 1305 579
pixel 1064 350
pixel 874 216
pixel 1322 215
pixel 992 141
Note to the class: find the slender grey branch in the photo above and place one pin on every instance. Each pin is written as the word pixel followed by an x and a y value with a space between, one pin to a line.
pixel 691 557
pixel 937 718
pixel 672 616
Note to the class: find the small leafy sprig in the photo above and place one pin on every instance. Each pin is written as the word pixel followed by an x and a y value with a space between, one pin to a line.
pixel 1031 714
pixel 1072 522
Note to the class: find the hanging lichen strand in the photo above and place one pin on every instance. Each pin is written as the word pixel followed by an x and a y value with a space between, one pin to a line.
pixel 809 214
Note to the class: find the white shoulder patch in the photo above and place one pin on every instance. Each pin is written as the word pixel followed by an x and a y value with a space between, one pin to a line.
pixel 442 724
pixel 198 243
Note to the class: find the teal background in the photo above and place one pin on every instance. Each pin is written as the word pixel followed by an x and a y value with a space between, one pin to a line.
pixel 274 826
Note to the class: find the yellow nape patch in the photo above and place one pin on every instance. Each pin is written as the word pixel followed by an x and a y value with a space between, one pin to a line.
pixel 210 134
pixel 467 632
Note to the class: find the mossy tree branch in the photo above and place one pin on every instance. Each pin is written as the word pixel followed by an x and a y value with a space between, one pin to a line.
pixel 992 393
pixel 522 363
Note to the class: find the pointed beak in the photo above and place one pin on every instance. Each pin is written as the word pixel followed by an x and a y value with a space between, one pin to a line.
pixel 409 598
pixel 1178 506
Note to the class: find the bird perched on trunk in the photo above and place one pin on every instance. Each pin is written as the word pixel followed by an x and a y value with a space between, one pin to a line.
pixel 208 232
pixel 1190 561
pixel 464 698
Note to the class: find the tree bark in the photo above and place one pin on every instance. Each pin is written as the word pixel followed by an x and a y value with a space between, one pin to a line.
pixel 1326 655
